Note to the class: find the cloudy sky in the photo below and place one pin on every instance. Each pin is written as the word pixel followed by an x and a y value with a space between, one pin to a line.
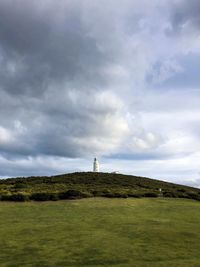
pixel 115 79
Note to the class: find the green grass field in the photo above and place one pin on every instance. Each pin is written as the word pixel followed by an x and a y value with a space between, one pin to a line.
pixel 101 232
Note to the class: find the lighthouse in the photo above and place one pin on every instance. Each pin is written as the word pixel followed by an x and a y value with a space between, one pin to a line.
pixel 95 165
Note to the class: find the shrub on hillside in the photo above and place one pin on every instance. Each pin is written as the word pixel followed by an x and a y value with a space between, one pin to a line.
pixel 136 195
pixel 54 197
pixel 15 197
pixel 4 197
pixel 20 185
pixel 150 194
pixel 170 194
pixel 19 197
pixel 115 195
pixel 96 193
pixel 72 194
pixel 193 196
pixel 44 196
pixel 181 190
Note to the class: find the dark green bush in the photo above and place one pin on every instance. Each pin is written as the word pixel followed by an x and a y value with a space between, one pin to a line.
pixel 181 190
pixel 115 195
pixel 71 194
pixel 193 195
pixel 43 196
pixel 170 194
pixel 15 197
pixel 54 197
pixel 150 194
pixel 5 197
pixel 136 195
pixel 19 197
pixel 20 185
pixel 96 193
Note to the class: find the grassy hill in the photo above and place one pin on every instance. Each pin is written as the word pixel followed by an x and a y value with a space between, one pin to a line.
pixel 142 228
pixel 89 184
pixel 97 232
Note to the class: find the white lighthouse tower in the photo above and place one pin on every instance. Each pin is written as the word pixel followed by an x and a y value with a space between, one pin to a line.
pixel 95 165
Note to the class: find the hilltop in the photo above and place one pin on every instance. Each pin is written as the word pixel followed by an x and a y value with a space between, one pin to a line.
pixel 90 184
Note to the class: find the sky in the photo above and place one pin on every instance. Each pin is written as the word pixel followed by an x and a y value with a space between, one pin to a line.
pixel 117 80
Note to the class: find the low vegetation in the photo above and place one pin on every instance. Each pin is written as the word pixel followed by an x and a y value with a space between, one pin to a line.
pixel 89 184
pixel 96 232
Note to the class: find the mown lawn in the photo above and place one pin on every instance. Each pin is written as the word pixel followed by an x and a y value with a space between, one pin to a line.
pixel 101 232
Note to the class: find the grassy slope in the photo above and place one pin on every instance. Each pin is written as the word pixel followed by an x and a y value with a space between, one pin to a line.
pixel 96 184
pixel 100 232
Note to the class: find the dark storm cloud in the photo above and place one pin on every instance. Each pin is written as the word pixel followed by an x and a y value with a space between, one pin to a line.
pixel 185 13
pixel 53 96
pixel 41 45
